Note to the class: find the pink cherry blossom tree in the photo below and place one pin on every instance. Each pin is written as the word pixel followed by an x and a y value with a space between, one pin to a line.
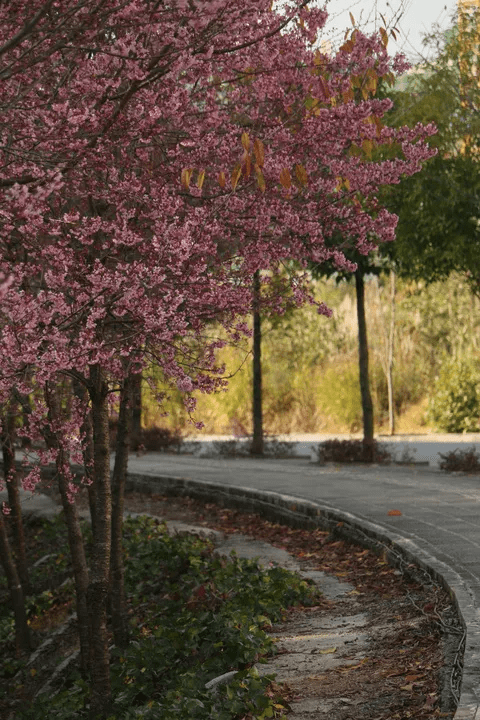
pixel 154 156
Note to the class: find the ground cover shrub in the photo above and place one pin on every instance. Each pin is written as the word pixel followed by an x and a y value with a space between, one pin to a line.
pixel 242 447
pixel 152 439
pixel 194 615
pixel 466 460
pixel 231 448
pixel 52 598
pixel 351 451
pixel 159 439
pixel 275 448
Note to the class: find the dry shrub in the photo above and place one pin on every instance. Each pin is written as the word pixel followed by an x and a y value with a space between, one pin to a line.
pixel 466 460
pixel 352 451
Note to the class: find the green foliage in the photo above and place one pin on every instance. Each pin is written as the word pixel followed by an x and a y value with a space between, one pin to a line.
pixel 196 616
pixel 295 349
pixel 438 228
pixel 438 208
pixel 310 362
pixel 455 404
pixel 51 547
pixel 338 394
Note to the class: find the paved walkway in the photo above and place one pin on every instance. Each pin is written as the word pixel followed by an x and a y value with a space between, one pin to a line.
pixel 439 522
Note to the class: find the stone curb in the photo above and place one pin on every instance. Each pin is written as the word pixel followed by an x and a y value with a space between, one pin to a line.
pixel 399 550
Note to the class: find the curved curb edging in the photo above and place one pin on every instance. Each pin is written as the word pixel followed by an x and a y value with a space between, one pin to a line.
pixel 399 550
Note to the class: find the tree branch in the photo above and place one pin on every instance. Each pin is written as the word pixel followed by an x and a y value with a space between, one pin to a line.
pixel 27 29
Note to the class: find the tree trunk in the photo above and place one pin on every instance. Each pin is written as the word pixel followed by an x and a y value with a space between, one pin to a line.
pixel 74 532
pixel 391 347
pixel 87 430
pixel 13 489
pixel 136 430
pixel 97 595
pixel 117 573
pixel 367 404
pixel 22 631
pixel 257 439
pixel 80 569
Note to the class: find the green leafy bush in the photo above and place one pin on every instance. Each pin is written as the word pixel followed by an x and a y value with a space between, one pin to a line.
pixel 194 616
pixel 455 404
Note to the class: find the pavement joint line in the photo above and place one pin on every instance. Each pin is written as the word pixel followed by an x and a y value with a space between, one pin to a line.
pixel 301 512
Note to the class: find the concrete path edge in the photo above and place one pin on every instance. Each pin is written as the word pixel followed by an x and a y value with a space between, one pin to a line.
pixel 399 550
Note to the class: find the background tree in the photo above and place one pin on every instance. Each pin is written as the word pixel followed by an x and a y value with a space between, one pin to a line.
pixel 365 265
pixel 438 229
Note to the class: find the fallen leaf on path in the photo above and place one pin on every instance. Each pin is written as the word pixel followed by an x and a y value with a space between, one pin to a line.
pixel 347 668
pixel 327 651
pixel 394 512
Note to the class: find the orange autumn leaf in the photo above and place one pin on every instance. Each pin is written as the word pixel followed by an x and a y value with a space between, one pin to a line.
pixel 285 178
pixel 236 174
pixel 394 512
pixel 186 176
pixel 259 152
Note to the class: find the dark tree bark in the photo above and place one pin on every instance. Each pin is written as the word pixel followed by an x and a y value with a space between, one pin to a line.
pixel 80 569
pixel 367 404
pixel 74 532
pixel 97 594
pixel 81 392
pixel 13 490
pixel 117 573
pixel 136 429
pixel 257 447
pixel 22 631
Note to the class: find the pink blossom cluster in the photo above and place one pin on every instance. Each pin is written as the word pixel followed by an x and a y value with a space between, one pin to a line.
pixel 153 156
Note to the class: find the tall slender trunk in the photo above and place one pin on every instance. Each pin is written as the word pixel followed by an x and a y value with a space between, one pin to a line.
pixel 391 348
pixel 13 490
pixel 117 572
pixel 25 409
pixel 22 631
pixel 87 430
pixel 79 563
pixel 257 439
pixel 136 429
pixel 74 531
pixel 97 594
pixel 367 404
